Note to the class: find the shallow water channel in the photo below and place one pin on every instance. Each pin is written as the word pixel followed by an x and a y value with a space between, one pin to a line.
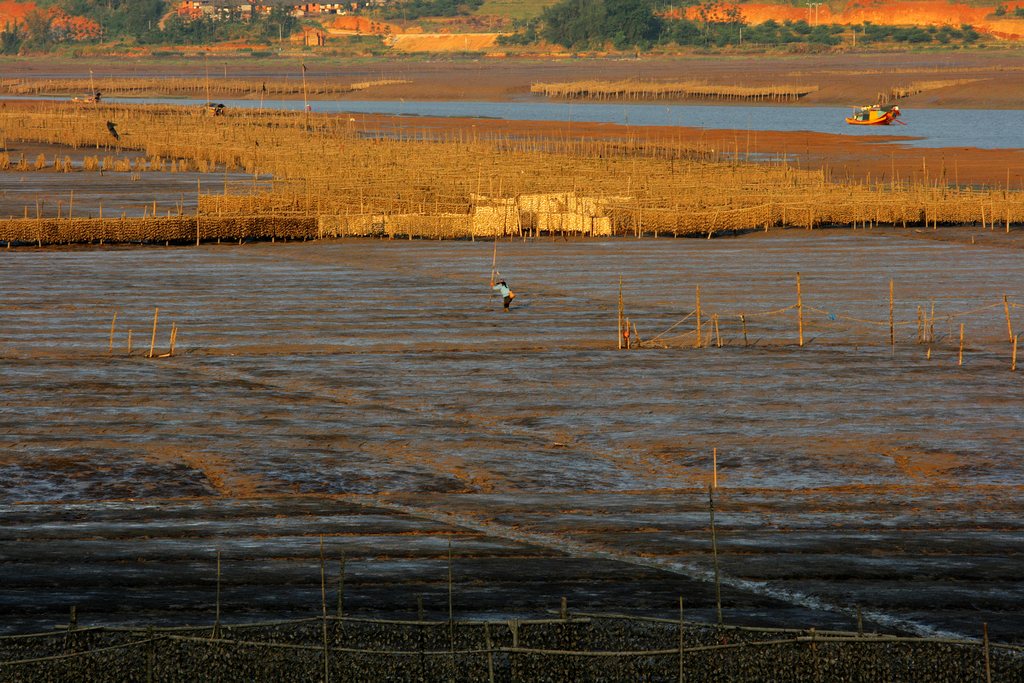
pixel 374 392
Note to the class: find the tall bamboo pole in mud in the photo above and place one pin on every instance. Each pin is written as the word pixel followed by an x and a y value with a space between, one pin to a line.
pixel 700 332
pixel 305 96
pixel 1009 323
pixel 341 587
pixel 681 639
pixel 489 644
pixel 216 618
pixel 714 467
pixel 199 189
pixel 113 323
pixel 892 320
pixel 619 335
pixel 799 310
pixel 960 355
pixel 152 341
pixel 323 612
pixel 451 613
pixel 1013 357
pixel 988 659
pixel 714 554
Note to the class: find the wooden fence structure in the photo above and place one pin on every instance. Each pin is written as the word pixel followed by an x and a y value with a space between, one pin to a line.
pixel 560 647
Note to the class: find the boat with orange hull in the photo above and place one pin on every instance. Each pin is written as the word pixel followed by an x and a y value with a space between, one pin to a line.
pixel 875 115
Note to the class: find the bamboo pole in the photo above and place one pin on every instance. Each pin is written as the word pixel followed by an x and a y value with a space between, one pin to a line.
pixel 892 320
pixel 620 314
pixel 129 342
pixel 216 620
pixel 198 197
pixel 960 355
pixel 714 467
pixel 743 321
pixel 152 342
pixel 1013 360
pixel 1009 323
pixel 113 323
pixel 489 644
pixel 700 333
pixel 451 612
pixel 988 657
pixel 323 612
pixel 341 587
pixel 799 310
pixel 682 640
pixel 714 553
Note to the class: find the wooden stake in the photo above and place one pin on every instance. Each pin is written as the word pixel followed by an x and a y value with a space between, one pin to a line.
pixel 743 320
pixel 714 467
pixel 129 342
pixel 199 189
pixel 113 323
pixel 800 309
pixel 152 342
pixel 892 320
pixel 216 621
pixel 988 659
pixel 960 357
pixel 323 612
pixel 341 586
pixel 718 339
pixel 490 652
pixel 700 333
pixel 1013 361
pixel 931 326
pixel 1009 324
pixel 714 553
pixel 620 313
pixel 682 639
pixel 451 612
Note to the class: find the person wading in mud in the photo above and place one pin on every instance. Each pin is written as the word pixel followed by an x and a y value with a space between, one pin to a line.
pixel 506 294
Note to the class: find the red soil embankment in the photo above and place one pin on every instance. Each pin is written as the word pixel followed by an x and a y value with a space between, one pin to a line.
pixel 78 28
pixel 443 42
pixel 358 25
pixel 912 13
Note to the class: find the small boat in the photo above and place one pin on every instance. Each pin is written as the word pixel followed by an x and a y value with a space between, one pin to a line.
pixel 874 115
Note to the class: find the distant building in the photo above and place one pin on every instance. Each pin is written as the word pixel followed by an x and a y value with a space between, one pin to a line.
pixel 223 9
pixel 310 37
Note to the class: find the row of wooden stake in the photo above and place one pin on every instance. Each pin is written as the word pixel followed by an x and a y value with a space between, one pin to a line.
pixel 152 342
pixel 925 324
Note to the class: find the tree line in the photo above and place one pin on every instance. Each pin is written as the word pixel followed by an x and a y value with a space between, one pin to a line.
pixel 141 21
pixel 643 24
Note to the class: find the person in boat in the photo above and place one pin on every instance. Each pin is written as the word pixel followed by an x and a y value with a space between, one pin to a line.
pixel 506 294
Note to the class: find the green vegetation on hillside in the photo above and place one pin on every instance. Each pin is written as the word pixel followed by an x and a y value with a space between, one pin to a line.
pixel 140 21
pixel 642 24
pixel 417 9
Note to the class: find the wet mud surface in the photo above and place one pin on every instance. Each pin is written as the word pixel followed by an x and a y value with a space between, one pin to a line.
pixel 374 393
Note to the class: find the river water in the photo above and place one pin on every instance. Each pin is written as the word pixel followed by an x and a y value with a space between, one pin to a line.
pixel 981 128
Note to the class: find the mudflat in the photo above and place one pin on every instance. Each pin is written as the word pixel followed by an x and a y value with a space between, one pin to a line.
pixel 374 393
